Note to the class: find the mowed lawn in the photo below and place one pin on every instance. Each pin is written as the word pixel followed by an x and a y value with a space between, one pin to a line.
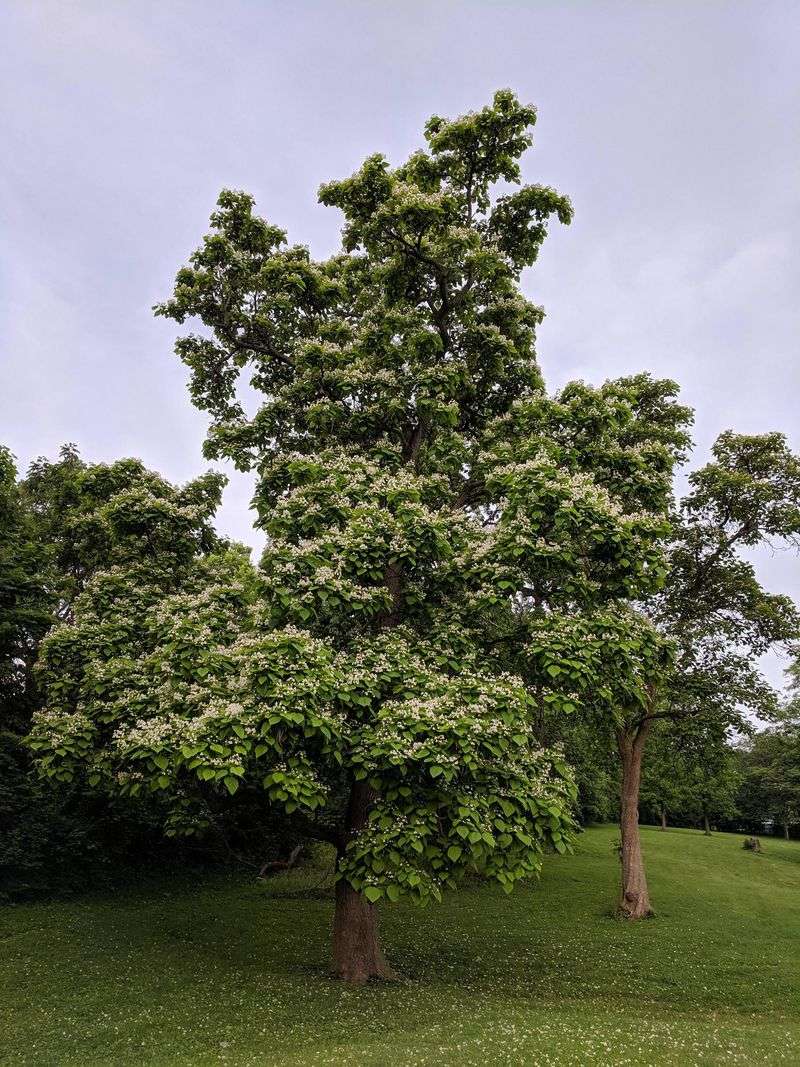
pixel 234 973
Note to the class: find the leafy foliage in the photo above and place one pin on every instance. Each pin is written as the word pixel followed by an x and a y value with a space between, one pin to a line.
pixel 771 765
pixel 60 531
pixel 713 605
pixel 24 598
pixel 691 774
pixel 420 492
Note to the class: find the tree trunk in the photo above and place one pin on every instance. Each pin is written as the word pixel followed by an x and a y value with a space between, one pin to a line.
pixel 706 827
pixel 786 830
pixel 663 818
pixel 634 900
pixel 357 955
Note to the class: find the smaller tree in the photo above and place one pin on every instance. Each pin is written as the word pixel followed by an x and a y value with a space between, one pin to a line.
pixel 61 538
pixel 715 615
pixel 592 647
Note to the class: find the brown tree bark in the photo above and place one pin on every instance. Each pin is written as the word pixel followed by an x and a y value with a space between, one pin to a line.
pixel 357 954
pixel 706 827
pixel 663 818
pixel 786 831
pixel 634 900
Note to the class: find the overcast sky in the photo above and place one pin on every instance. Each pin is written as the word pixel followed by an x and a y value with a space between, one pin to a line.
pixel 674 127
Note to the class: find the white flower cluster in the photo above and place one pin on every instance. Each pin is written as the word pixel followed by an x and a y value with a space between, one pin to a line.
pixel 152 734
pixel 56 727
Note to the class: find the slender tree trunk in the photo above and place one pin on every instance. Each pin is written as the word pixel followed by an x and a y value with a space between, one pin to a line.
pixel 706 827
pixel 634 900
pixel 663 818
pixel 357 954
pixel 786 830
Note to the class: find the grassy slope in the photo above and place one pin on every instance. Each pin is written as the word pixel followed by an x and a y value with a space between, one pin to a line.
pixel 233 973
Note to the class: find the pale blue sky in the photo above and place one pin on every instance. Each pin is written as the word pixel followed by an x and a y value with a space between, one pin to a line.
pixel 674 127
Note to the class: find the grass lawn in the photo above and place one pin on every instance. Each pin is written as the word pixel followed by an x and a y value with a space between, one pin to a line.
pixel 234 973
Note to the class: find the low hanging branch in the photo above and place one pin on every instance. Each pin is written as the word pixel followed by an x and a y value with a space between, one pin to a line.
pixel 274 866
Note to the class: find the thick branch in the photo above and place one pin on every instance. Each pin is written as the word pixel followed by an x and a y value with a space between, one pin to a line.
pixel 703 568
pixel 470 493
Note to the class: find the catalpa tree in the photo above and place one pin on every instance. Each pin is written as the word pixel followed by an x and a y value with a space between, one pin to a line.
pixel 365 676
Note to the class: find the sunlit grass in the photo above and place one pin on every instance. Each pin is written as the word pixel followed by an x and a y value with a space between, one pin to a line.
pixel 229 972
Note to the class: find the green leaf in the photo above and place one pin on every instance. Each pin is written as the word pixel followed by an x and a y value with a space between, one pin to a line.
pixel 373 893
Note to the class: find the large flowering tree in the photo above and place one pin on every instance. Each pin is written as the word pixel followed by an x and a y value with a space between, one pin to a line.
pixel 428 541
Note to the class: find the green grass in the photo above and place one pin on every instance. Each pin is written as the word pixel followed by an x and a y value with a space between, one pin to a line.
pixel 233 973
